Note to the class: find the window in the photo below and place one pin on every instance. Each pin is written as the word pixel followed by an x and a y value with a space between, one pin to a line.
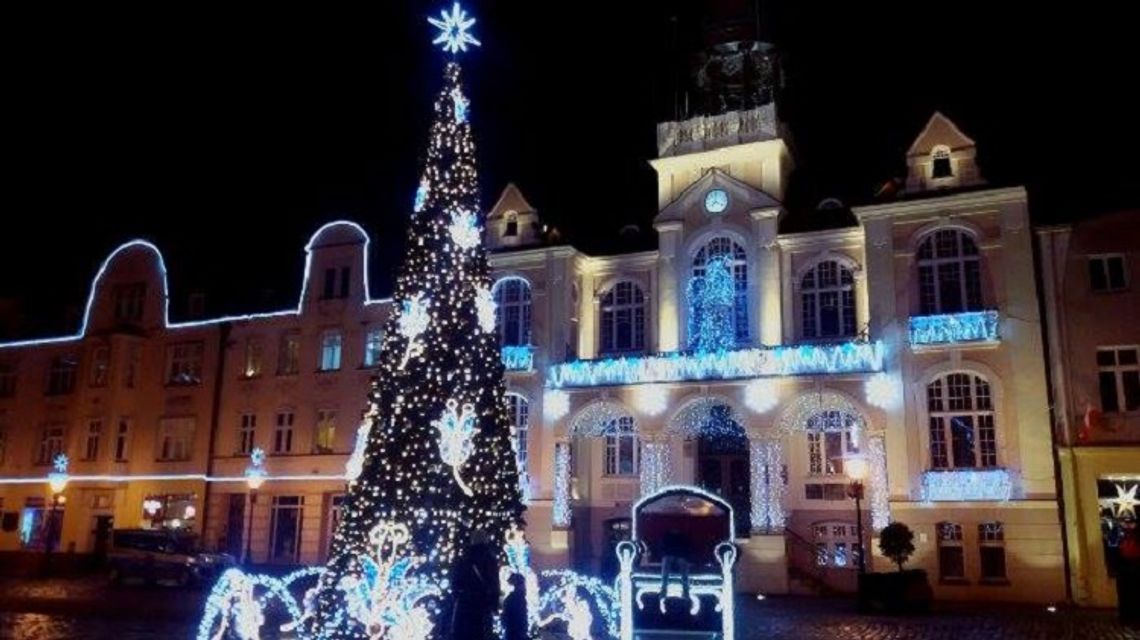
pixel 831 436
pixel 100 366
pixel 129 299
pixel 51 445
pixel 289 354
pixel 7 380
pixel 283 433
pixel 951 560
pixel 830 491
pixel 3 443
pixel 828 301
pixel 254 358
pixel 285 529
pixel 176 511
pixel 519 410
pixel 961 422
pixel 991 548
pixel 623 319
pixel 512 297
pixel 336 513
pixel 134 355
pixel 325 436
pixel 512 228
pixel 940 163
pixel 330 350
pixel 91 443
pixel 175 439
pixel 373 346
pixel 247 430
pixel 621 447
pixel 1107 273
pixel 122 439
pixel 738 262
pixel 949 273
pixel 836 545
pixel 345 281
pixel 1119 377
pixel 330 290
pixel 184 363
pixel 61 375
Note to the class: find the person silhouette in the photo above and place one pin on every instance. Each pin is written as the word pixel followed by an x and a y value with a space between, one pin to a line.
pixel 674 559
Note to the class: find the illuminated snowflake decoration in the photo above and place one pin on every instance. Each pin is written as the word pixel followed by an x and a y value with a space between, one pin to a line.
pixel 255 473
pixel 555 404
pixel 457 438
pixel 386 599
pixel 453 30
pixel 485 308
pixel 414 320
pixel 460 105
pixel 883 390
pixel 1125 502
pixel 58 476
pixel 355 464
pixel 421 195
pixel 464 229
pixel 60 462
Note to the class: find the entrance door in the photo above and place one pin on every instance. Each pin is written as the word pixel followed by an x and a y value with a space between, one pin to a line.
pixel 101 536
pixel 235 525
pixel 722 468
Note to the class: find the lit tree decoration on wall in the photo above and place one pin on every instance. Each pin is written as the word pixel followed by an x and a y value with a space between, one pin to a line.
pixel 712 305
pixel 440 345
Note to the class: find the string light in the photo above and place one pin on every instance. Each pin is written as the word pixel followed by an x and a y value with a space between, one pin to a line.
pixel 708 417
pixel 233 603
pixel 58 477
pixel 456 438
pixel 651 400
pixel 654 466
pixel 255 473
pixel 766 459
pixel 712 299
pixel 560 510
pixel 555 404
pixel 963 485
pixel 968 326
pixel 880 492
pixel 599 418
pixel 518 357
pixel 421 195
pixel 485 308
pixel 413 321
pixel 760 395
pixel 883 390
pixel 464 230
pixel 453 30
pixel 560 599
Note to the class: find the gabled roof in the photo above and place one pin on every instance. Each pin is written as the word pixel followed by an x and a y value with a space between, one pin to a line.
pixel 741 197
pixel 511 200
pixel 939 130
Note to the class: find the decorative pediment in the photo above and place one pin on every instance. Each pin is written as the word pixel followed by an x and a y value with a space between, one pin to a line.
pixel 511 200
pixel 939 131
pixel 741 199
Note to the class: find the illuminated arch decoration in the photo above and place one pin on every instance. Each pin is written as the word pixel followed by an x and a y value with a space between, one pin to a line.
pixel 714 416
pixel 593 420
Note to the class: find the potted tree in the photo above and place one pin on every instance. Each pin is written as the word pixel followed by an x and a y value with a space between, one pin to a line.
pixel 902 591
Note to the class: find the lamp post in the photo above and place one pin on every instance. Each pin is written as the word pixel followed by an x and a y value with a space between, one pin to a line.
pixel 254 478
pixel 856 470
pixel 57 481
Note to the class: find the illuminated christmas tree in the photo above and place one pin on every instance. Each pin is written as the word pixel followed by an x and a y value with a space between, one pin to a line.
pixel 434 460
pixel 712 304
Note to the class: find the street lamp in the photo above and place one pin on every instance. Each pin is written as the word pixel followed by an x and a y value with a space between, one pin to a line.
pixel 254 477
pixel 856 469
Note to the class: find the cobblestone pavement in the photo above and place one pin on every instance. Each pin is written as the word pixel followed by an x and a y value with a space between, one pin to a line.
pixel 90 610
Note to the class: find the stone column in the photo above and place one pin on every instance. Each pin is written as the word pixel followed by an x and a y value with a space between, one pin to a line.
pixel 668 298
pixel 767 327
pixel 862 305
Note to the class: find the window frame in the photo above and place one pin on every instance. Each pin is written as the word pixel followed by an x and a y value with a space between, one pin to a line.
pixel 620 437
pixel 843 288
pixel 513 331
pixel 373 346
pixel 950 538
pixel 623 296
pixel 1119 373
pixel 99 374
pixel 1104 259
pixel 247 433
pixel 332 350
pixel 991 536
pixel 737 255
pixel 122 439
pixel 62 373
pixel 289 353
pixel 91 439
pixel 941 153
pixel 175 441
pixel 8 379
pixel 283 431
pixel 52 443
pixel 253 364
pixel 184 363
pixel 324 417
pixel 518 408
pixel 942 410
pixel 818 445
pixel 969 278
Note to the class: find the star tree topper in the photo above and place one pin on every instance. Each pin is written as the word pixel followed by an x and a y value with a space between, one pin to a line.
pixel 453 30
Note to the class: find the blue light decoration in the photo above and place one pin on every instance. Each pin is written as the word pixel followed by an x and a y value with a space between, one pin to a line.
pixel 58 477
pixel 453 30
pixel 518 357
pixel 712 305
pixel 238 601
pixel 421 195
pixel 517 551
pixel 966 485
pixel 255 473
pixel 953 328
pixel 456 438
pixel 847 357
pixel 464 229
pixel 561 600
pixel 460 104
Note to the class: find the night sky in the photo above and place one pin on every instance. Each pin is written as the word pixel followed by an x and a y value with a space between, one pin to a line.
pixel 227 134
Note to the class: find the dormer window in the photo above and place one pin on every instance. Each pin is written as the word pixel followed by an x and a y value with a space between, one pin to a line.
pixel 512 228
pixel 940 163
pixel 129 299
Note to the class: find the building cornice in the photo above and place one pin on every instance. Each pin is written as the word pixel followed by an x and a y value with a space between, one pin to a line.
pixel 971 200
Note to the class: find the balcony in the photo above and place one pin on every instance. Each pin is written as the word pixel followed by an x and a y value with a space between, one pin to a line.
pixel 847 357
pixel 966 485
pixel 969 327
pixel 518 358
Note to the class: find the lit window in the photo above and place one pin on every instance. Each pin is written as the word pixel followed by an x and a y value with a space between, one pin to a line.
pixel 175 439
pixel 129 299
pixel 100 366
pixel 283 433
pixel 831 436
pixel 991 547
pixel 7 380
pixel 254 358
pixel 91 443
pixel 61 375
pixel 949 273
pixel 621 447
pixel 247 430
pixel 512 298
pixel 623 319
pixel 373 346
pixel 51 445
pixel 1108 273
pixel 289 354
pixel 330 350
pixel 1118 372
pixel 184 363
pixel 961 422
pixel 325 437
pixel 738 263
pixel 940 163
pixel 836 545
pixel 827 297
pixel 519 410
pixel 951 560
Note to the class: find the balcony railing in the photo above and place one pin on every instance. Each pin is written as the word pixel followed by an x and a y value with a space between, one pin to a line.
pixel 964 485
pixel 847 357
pixel 518 358
pixel 954 328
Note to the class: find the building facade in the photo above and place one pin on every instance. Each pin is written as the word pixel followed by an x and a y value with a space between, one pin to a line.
pixel 766 366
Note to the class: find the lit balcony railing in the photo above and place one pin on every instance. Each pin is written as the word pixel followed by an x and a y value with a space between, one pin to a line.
pixel 847 357
pixel 954 328
pixel 518 358
pixel 963 485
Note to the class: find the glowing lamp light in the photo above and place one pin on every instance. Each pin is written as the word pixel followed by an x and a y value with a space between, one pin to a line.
pixel 883 390
pixel 651 399
pixel 453 30
pixel 255 473
pixel 555 404
pixel 760 395
pixel 856 468
pixel 151 506
pixel 58 477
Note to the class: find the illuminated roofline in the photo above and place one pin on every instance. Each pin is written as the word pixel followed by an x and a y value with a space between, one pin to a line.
pixel 201 477
pixel 145 244
pixel 683 488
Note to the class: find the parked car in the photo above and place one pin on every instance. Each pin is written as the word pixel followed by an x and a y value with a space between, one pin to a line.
pixel 154 555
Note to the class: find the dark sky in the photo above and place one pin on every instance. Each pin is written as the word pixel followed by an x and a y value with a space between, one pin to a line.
pixel 226 134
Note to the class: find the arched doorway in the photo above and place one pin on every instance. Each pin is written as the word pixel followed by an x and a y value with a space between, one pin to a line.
pixel 722 457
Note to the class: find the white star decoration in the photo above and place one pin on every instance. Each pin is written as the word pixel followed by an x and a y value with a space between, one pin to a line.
pixel 1125 501
pixel 453 35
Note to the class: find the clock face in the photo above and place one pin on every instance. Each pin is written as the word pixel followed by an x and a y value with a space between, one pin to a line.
pixel 716 201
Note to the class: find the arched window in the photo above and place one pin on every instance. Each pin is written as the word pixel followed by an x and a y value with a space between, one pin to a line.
pixel 940 162
pixel 738 262
pixel 519 410
pixel 512 297
pixel 828 301
pixel 623 318
pixel 949 273
pixel 832 435
pixel 512 227
pixel 962 432
pixel 622 455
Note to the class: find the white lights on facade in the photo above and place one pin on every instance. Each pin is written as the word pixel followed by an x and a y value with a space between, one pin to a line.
pixel 967 485
pixel 760 395
pixel 968 326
